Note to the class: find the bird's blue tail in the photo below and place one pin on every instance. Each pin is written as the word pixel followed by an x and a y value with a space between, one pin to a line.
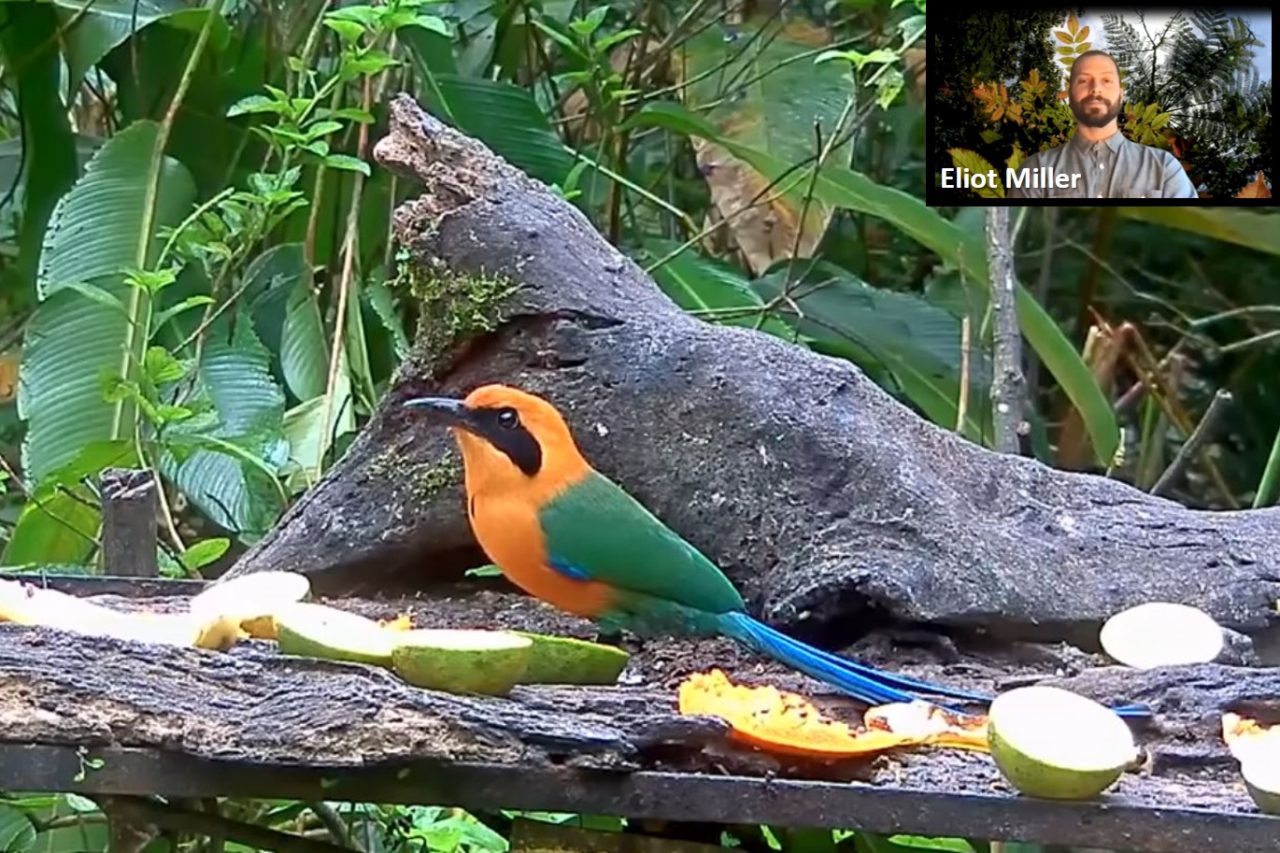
pixel 863 682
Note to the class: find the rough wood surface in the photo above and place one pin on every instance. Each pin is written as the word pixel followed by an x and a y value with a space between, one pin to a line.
pixel 832 505
pixel 256 706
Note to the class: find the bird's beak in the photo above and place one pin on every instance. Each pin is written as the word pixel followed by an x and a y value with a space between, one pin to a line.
pixel 452 411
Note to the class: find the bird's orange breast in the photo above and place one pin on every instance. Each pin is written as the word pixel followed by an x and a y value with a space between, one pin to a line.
pixel 510 535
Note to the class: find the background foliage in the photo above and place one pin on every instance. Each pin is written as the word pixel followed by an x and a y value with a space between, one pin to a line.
pixel 1191 87
pixel 197 275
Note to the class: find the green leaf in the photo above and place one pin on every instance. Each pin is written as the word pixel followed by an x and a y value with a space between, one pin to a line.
pixel 29 40
pixel 701 284
pixel 917 342
pixel 181 308
pixel 354 361
pixel 434 24
pixel 94 235
pixel 161 366
pixel 1253 230
pixel 226 463
pixel 919 842
pixel 56 527
pixel 963 249
pixel 80 804
pixel 382 301
pixel 304 352
pixel 97 294
pixel 92 30
pixel 17 833
pixel 349 31
pixel 204 552
pixel 257 104
pixel 350 164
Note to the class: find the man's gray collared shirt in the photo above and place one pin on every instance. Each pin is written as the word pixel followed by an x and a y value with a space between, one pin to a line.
pixel 1115 167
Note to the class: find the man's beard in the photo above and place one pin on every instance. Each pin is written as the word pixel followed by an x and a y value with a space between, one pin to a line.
pixel 1095 119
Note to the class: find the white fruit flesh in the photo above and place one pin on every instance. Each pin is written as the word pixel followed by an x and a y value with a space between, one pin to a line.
pixel 246 597
pixel 1161 633
pixel 314 630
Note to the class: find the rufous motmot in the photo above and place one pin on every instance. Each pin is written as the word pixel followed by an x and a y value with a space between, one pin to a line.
pixel 570 536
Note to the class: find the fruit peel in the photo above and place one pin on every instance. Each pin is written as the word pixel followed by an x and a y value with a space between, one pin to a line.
pixel 1030 735
pixel 568 660
pixel 458 660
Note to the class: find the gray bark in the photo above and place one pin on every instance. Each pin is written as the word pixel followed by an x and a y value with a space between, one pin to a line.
pixel 1008 387
pixel 831 504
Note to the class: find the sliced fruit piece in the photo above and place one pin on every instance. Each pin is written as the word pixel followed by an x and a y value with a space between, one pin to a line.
pixel 460 660
pixel 1244 735
pixel 1161 633
pixel 926 723
pixel 252 600
pixel 319 631
pixel 1261 772
pixel 779 722
pixel 27 604
pixel 568 660
pixel 1049 742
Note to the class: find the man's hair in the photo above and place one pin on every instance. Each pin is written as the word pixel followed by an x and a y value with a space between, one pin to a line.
pixel 1074 62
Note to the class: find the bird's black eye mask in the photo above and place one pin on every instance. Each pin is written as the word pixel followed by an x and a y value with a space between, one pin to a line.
pixel 501 427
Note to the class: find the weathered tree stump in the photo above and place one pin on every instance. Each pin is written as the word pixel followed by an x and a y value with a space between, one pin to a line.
pixel 832 505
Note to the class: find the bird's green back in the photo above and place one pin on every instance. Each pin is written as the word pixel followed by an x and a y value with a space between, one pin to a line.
pixel 598 529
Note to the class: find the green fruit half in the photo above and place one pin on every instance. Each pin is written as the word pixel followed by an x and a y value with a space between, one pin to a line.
pixel 1161 633
pixel 1049 742
pixel 1262 777
pixel 568 660
pixel 318 631
pixel 460 660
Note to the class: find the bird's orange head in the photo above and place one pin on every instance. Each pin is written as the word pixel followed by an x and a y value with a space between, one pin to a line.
pixel 511 440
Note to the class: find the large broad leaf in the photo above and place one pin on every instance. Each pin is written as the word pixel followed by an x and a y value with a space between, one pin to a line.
pixel 226 465
pixel 501 115
pixel 29 38
pixel 1260 231
pixel 710 288
pixel 17 832
pixel 95 233
pixel 919 343
pixel 760 89
pixel 963 249
pixel 92 29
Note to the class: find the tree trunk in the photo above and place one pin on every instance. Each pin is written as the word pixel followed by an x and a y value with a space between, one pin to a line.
pixel 833 506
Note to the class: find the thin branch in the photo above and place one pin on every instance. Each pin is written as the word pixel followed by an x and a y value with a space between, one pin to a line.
pixel 1191 447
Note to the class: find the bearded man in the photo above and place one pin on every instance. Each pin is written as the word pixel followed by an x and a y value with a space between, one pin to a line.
pixel 1098 161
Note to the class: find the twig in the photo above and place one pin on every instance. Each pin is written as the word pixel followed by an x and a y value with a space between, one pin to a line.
pixel 333 823
pixel 142 810
pixel 344 283
pixel 1192 445
pixel 1008 385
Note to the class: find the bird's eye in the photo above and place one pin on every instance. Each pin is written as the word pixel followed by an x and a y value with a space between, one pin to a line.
pixel 508 419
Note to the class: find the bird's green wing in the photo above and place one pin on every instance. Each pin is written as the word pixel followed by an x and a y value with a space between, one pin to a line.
pixel 595 530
